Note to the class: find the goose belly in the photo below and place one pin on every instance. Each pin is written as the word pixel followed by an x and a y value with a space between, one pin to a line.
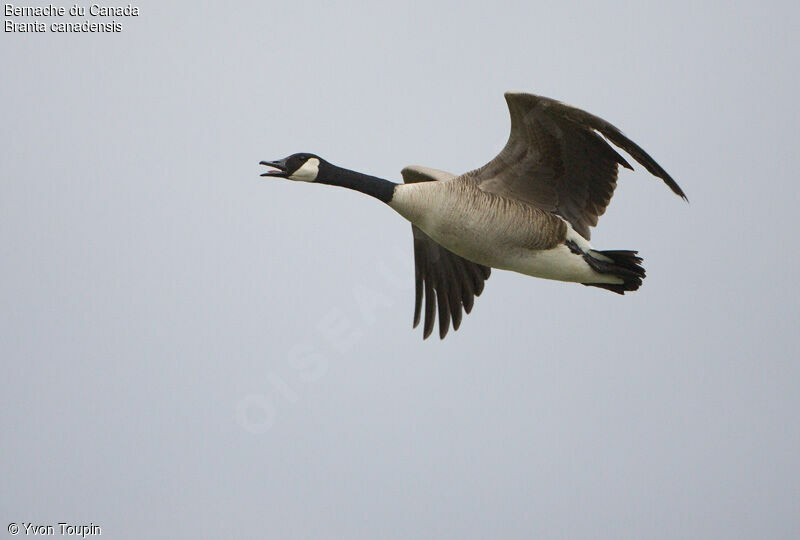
pixel 475 234
pixel 474 240
pixel 558 263
pixel 505 250
pixel 495 233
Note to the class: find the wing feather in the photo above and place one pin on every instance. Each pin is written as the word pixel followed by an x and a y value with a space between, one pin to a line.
pixel 557 159
pixel 447 283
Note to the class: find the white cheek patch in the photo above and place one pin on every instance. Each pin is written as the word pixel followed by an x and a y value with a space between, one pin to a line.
pixel 307 172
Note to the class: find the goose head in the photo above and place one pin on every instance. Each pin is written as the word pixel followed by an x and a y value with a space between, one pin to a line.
pixel 302 167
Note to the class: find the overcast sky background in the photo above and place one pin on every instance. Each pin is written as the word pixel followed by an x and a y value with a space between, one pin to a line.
pixel 189 350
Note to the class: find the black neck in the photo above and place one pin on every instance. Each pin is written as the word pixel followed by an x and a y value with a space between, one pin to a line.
pixel 371 185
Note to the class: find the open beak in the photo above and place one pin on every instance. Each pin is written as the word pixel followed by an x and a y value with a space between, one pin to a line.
pixel 279 165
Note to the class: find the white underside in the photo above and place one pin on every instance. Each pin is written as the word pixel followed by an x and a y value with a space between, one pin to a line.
pixel 468 235
pixel 559 263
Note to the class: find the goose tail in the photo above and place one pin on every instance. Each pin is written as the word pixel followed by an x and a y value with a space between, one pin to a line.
pixel 621 264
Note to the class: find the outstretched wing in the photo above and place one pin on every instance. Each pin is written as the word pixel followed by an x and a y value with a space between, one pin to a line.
pixel 556 159
pixel 449 281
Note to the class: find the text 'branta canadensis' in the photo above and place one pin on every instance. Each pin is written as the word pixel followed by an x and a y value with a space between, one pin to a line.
pixel 528 210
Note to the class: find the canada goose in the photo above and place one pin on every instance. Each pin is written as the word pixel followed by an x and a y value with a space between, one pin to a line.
pixel 528 210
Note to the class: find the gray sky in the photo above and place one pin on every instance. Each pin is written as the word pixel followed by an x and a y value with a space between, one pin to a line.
pixel 189 350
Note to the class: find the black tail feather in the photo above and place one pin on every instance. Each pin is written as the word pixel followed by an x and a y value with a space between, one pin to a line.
pixel 625 265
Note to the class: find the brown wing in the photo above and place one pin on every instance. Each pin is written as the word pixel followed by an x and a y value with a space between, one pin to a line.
pixel 556 160
pixel 449 282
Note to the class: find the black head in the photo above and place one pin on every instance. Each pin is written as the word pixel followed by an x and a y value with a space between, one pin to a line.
pixel 303 167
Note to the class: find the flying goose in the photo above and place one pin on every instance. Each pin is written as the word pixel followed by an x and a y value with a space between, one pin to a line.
pixel 528 210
